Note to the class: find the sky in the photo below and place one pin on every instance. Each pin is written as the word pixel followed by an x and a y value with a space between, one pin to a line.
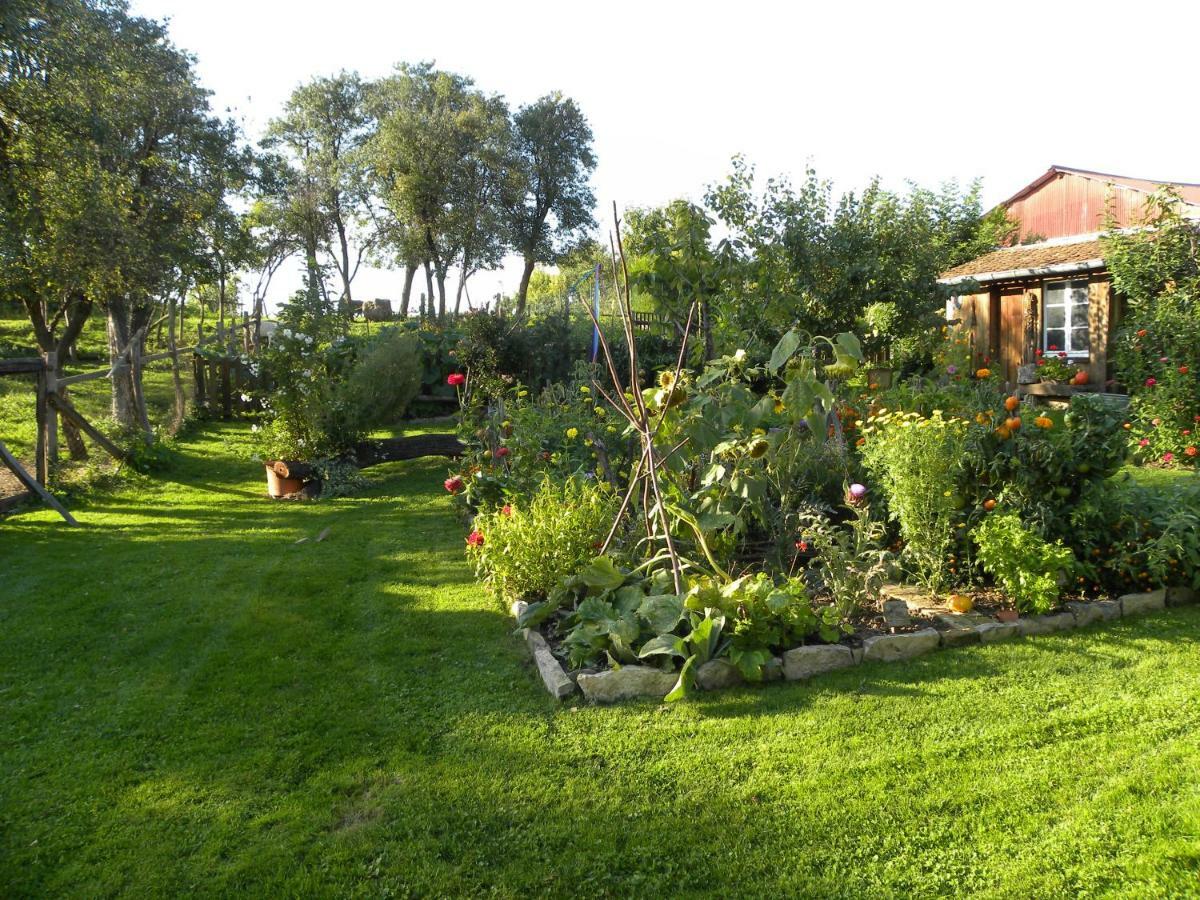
pixel 917 91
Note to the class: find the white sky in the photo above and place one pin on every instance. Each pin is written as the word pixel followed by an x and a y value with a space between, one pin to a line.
pixel 916 90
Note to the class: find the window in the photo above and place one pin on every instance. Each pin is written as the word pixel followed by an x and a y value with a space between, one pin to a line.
pixel 1065 318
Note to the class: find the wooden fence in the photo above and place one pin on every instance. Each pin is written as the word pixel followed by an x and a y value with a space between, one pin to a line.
pixel 216 375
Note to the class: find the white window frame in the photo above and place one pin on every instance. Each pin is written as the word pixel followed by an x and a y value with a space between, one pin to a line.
pixel 1070 310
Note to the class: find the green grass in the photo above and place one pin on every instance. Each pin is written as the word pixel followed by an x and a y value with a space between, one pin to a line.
pixel 194 704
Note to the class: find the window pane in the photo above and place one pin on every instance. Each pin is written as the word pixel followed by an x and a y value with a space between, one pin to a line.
pixel 1055 339
pixel 1056 317
pixel 1079 339
pixel 1056 293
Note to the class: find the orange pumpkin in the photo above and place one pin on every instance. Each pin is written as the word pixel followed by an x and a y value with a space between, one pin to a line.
pixel 961 603
pixel 1081 378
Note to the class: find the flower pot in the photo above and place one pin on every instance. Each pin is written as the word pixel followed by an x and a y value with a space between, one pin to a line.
pixel 1007 615
pixel 278 486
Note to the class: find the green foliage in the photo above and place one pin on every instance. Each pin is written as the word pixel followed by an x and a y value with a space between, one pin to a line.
pixel 1026 566
pixel 529 547
pixel 325 397
pixel 1130 537
pixel 1157 350
pixel 916 462
pixel 852 562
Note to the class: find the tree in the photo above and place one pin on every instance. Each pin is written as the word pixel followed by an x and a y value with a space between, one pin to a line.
pixel 321 132
pixel 554 160
pixel 439 163
pixel 103 138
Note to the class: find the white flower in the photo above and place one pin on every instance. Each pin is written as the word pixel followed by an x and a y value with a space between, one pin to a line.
pixel 254 428
pixel 245 397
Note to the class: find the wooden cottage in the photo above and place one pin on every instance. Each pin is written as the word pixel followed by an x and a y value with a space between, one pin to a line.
pixel 1051 290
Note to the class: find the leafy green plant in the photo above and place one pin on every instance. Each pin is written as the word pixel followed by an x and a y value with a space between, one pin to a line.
pixel 523 550
pixel 1028 568
pixel 852 562
pixel 917 462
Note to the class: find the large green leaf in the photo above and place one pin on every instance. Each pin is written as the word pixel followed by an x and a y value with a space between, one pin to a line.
pixel 663 645
pixel 784 350
pixel 662 612
pixel 684 685
pixel 600 575
pixel 849 345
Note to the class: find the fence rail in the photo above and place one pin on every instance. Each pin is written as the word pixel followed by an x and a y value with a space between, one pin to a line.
pixel 215 371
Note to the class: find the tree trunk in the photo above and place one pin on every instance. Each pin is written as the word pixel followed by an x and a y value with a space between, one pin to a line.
pixel 441 283
pixel 124 404
pixel 347 304
pixel 428 306
pixel 410 272
pixel 176 380
pixel 706 326
pixel 462 283
pixel 523 290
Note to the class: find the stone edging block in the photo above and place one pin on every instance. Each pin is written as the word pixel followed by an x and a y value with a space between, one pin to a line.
pixel 891 647
pixel 626 682
pixel 804 662
pixel 1137 604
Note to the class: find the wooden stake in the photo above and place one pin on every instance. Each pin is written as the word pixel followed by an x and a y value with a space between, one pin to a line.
pixel 32 484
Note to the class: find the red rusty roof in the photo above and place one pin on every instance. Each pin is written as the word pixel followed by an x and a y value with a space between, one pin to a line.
pixel 1028 260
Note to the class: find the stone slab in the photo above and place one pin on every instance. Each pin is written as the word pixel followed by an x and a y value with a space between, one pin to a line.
pixel 1086 613
pixel 716 674
pixel 1137 604
pixel 557 682
pixel 892 647
pixel 896 614
pixel 958 630
pixel 1182 596
pixel 1047 624
pixel 998 631
pixel 625 683
pixel 804 662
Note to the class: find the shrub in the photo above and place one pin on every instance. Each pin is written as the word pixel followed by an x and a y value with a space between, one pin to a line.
pixel 917 462
pixel 523 550
pixel 1027 568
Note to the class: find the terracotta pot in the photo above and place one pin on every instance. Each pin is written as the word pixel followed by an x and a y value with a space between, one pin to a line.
pixel 1007 615
pixel 278 486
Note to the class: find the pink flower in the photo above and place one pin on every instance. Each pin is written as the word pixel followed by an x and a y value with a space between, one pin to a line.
pixel 456 379
pixel 951 370
pixel 501 452
pixel 475 539
pixel 1167 457
pixel 1163 359
pixel 506 511
pixel 454 484
pixel 1151 382
pixel 1144 442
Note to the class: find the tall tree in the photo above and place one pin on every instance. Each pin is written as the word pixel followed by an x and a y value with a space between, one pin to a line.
pixel 438 162
pixel 320 133
pixel 554 160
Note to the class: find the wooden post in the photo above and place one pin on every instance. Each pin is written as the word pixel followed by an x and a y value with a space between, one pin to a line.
pixel 51 372
pixel 199 389
pixel 227 351
pixel 32 485
pixel 176 380
pixel 1033 326
pixel 135 373
pixel 41 412
pixel 1099 297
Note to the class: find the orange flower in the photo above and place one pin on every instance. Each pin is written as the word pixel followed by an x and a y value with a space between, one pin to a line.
pixel 983 373
pixel 1043 422
pixel 1189 451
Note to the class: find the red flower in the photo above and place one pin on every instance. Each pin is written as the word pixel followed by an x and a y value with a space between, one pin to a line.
pixel 1062 354
pixel 456 379
pixel 454 484
pixel 1183 370
pixel 802 545
pixel 1037 352
pixel 1141 332
pixel 1053 347
pixel 475 539
pixel 1185 432
pixel 1144 442
pixel 501 452
pixel 1151 382
pixel 1167 457
pixel 506 511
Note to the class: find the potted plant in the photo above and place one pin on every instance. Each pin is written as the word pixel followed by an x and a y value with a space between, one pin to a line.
pixel 326 392
pixel 1054 369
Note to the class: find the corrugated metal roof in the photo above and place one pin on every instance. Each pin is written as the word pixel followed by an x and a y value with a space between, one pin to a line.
pixel 1189 191
pixel 1083 254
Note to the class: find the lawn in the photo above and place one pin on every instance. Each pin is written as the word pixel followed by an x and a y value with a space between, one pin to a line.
pixel 193 703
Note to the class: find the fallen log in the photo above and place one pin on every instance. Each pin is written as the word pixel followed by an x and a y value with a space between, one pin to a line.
pixel 370 453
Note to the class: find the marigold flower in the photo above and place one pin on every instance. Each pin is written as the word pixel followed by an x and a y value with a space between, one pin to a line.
pixel 983 373
pixel 572 433
pixel 456 379
pixel 1043 422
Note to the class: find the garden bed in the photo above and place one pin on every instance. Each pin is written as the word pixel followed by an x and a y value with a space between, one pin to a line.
pixel 931 626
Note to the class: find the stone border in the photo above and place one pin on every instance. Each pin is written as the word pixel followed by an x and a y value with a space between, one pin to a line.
pixel 802 663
